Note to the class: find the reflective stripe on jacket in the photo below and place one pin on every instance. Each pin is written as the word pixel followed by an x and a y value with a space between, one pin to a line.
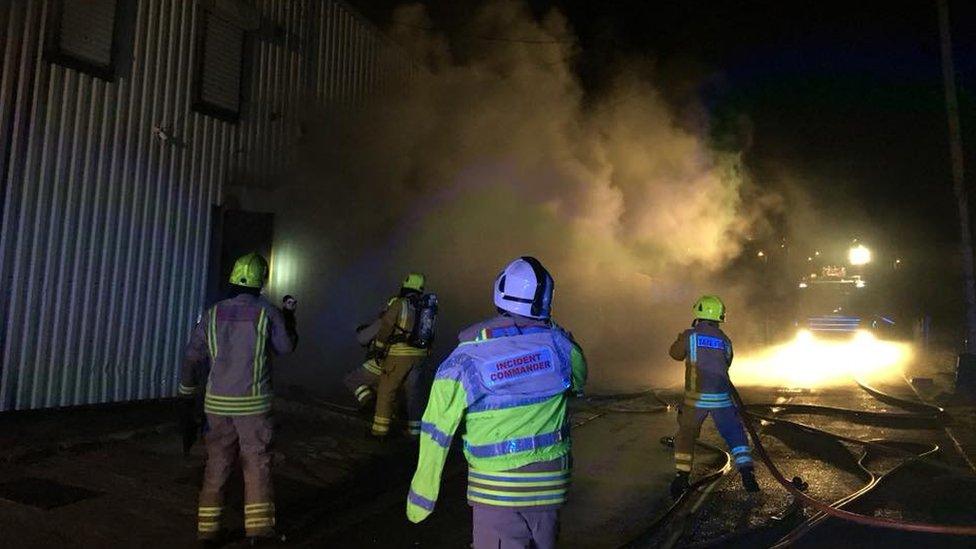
pixel 395 324
pixel 234 335
pixel 541 485
pixel 509 383
pixel 707 353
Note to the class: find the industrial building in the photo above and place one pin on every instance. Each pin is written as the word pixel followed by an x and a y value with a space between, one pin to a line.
pixel 131 135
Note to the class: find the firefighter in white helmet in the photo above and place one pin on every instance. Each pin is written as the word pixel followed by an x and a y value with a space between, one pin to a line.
pixel 508 380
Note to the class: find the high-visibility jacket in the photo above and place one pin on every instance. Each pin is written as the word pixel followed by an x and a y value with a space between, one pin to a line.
pixel 707 353
pixel 508 380
pixel 238 337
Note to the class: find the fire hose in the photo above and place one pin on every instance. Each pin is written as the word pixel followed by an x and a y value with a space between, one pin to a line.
pixel 928 413
pixel 827 410
pixel 824 510
pixel 834 510
pixel 873 482
pixel 613 404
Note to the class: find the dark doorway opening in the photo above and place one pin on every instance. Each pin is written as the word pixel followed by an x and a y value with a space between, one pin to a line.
pixel 235 233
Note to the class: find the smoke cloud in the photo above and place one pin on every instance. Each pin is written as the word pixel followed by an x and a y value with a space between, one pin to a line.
pixel 494 151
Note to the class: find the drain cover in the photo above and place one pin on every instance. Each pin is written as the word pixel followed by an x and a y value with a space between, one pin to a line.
pixel 43 493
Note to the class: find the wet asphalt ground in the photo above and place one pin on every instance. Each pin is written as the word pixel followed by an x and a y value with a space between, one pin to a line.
pixel 918 492
pixel 621 475
pixel 620 481
pixel 67 485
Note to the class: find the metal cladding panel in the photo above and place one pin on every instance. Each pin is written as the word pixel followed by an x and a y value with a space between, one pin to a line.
pixel 307 54
pixel 106 187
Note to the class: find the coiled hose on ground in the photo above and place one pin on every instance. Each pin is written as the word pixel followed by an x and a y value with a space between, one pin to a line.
pixel 918 411
pixel 921 413
pixel 834 510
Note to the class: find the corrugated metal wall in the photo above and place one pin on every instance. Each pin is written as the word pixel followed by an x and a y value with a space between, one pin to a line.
pixel 107 187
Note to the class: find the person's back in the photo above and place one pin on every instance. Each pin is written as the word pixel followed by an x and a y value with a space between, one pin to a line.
pixel 400 358
pixel 238 336
pixel 509 364
pixel 394 360
pixel 397 325
pixel 241 334
pixel 508 380
pixel 707 353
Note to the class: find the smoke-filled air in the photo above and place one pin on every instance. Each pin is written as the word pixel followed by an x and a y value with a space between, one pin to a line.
pixel 491 151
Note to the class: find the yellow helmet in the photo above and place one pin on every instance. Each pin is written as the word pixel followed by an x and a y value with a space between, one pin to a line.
pixel 250 271
pixel 414 281
pixel 709 307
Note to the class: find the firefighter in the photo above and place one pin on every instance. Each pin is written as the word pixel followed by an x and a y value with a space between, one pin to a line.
pixel 508 379
pixel 393 360
pixel 238 336
pixel 707 353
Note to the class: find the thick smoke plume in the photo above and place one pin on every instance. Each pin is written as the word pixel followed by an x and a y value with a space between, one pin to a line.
pixel 494 151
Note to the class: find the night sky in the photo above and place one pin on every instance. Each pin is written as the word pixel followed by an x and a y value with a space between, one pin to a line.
pixel 844 102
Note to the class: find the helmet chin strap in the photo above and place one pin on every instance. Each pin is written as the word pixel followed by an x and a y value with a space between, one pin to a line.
pixel 541 276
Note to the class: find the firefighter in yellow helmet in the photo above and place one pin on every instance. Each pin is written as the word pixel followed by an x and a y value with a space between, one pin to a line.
pixel 707 353
pixel 399 342
pixel 239 336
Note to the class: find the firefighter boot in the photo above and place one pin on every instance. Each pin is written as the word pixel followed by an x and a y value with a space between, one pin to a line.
pixel 680 484
pixel 749 480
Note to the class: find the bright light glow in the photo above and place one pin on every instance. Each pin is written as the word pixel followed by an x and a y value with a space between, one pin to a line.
pixel 859 255
pixel 803 285
pixel 761 254
pixel 860 284
pixel 284 269
pixel 809 362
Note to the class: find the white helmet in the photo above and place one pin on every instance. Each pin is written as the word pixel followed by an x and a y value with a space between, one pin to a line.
pixel 525 288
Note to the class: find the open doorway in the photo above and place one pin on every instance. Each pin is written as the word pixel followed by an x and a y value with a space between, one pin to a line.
pixel 235 233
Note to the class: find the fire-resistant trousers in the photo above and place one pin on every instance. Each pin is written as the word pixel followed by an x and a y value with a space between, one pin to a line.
pixel 729 425
pixel 230 438
pixel 362 381
pixel 500 528
pixel 397 370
